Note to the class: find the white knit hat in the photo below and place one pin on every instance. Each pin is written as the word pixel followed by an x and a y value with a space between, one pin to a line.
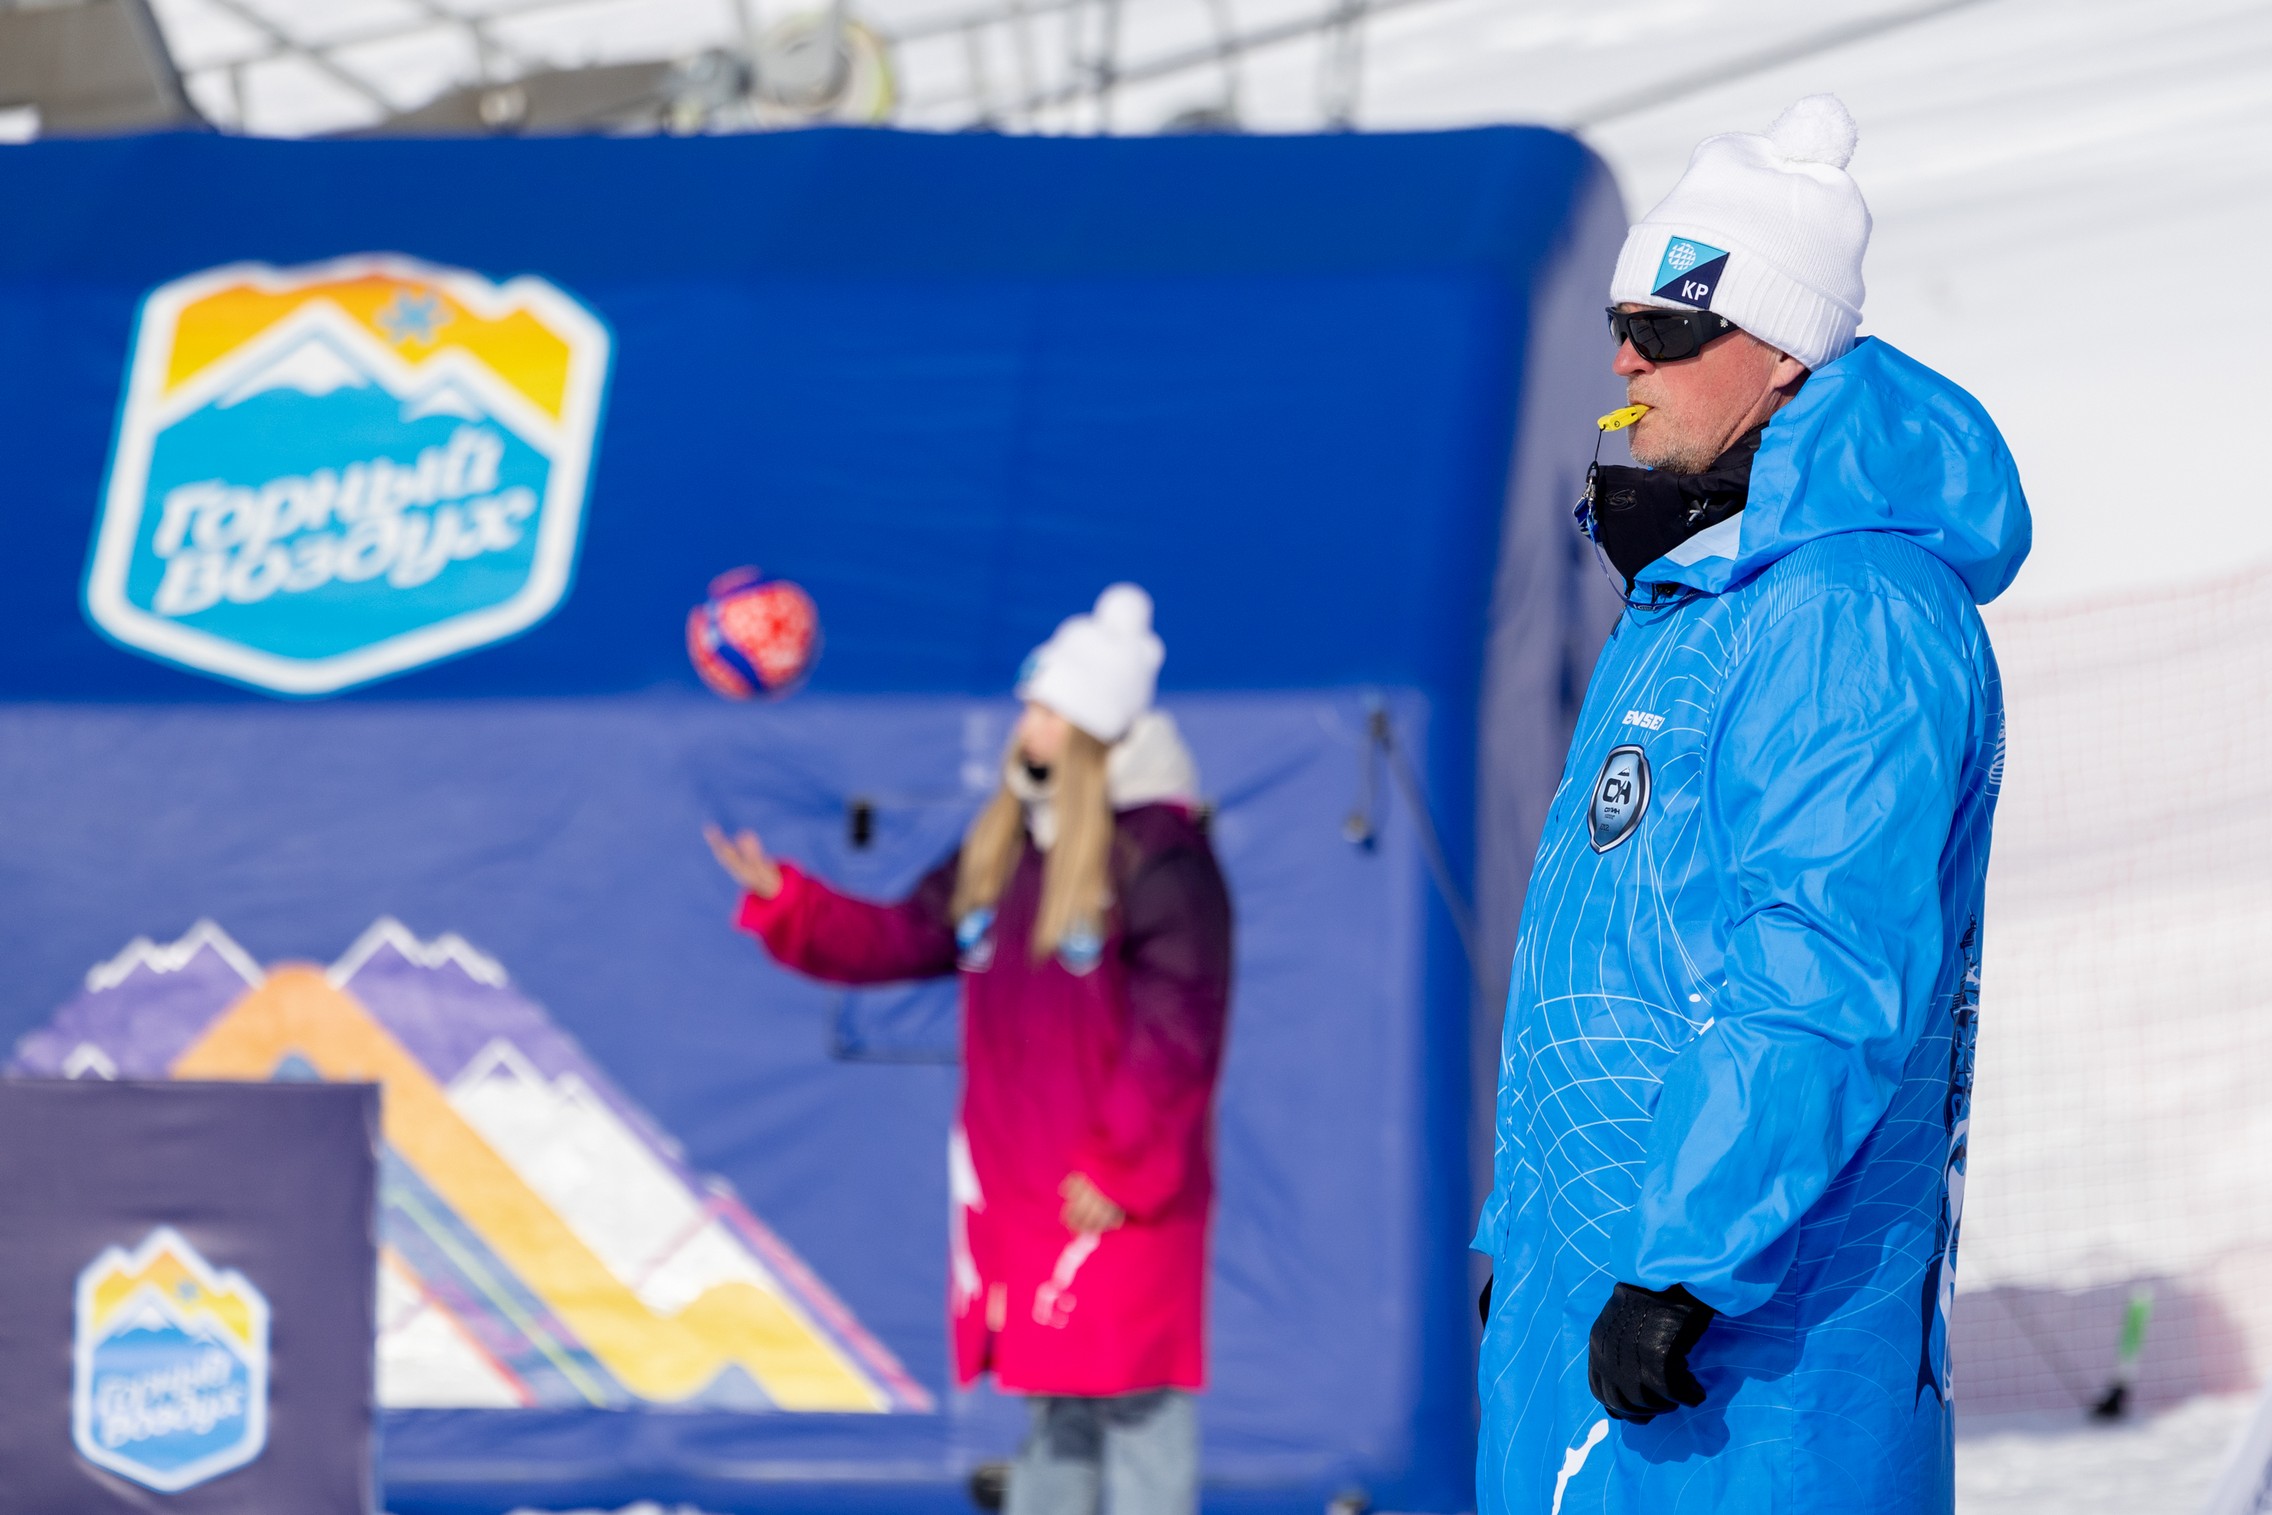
pixel 1099 670
pixel 1767 231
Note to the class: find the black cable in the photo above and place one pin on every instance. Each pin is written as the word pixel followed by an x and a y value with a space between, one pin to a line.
pixel 1382 732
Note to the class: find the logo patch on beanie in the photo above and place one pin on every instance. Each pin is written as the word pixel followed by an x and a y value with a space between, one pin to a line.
pixel 1690 272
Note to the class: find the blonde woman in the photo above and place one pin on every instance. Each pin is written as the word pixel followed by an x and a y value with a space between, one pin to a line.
pixel 1092 930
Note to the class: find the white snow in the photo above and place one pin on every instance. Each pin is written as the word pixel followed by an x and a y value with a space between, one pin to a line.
pixel 2064 1465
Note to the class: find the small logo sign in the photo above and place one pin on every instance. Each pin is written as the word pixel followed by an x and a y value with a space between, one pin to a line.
pixel 974 940
pixel 1621 794
pixel 169 1383
pixel 1690 272
pixel 327 475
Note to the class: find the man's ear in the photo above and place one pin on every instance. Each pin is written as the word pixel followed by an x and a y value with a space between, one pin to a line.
pixel 1788 374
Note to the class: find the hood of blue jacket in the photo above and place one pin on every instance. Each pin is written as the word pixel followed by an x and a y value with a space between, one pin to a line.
pixel 1875 441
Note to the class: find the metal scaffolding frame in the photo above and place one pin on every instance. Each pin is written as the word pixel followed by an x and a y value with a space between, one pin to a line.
pixel 384 67
pixel 1010 65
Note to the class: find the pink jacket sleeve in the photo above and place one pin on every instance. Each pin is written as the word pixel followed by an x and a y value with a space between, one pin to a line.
pixel 1153 1123
pixel 817 931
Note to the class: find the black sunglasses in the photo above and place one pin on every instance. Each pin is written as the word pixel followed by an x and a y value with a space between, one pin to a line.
pixel 1667 336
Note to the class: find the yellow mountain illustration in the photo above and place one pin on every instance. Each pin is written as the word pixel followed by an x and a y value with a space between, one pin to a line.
pixel 518 347
pixel 656 1356
pixel 171 1277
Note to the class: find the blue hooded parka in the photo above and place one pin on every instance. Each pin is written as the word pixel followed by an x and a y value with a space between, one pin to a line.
pixel 1738 1046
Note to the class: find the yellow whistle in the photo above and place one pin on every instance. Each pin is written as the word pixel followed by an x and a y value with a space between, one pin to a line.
pixel 1624 416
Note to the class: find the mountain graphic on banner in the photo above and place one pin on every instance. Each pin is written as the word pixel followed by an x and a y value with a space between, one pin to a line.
pixel 314 365
pixel 544 1242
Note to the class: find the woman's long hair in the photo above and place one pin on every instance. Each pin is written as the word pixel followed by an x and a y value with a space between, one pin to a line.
pixel 1074 885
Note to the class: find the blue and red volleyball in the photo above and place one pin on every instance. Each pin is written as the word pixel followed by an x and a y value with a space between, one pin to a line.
pixel 753 635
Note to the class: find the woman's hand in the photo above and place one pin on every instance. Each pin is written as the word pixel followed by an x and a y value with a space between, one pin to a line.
pixel 743 856
pixel 1087 1210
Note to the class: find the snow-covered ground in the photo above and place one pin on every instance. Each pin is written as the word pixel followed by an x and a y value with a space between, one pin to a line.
pixel 2066 1465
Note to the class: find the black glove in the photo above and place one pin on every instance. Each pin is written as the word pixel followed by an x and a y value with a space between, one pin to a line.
pixel 1637 1361
pixel 1483 1302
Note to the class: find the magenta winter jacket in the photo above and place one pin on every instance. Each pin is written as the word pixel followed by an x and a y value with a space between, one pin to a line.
pixel 1106 1068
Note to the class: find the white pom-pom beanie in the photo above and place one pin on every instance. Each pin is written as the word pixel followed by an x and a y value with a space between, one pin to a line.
pixel 1768 231
pixel 1099 670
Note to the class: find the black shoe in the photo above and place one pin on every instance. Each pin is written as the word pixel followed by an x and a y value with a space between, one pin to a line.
pixel 989 1483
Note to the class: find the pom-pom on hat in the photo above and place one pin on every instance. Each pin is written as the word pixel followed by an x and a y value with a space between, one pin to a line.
pixel 1768 231
pixel 1099 670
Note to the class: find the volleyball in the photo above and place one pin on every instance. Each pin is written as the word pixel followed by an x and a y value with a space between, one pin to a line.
pixel 753 635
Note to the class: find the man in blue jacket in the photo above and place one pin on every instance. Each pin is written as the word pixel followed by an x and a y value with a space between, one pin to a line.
pixel 1737 1067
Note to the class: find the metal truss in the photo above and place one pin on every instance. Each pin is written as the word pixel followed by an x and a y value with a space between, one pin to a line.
pixel 1008 65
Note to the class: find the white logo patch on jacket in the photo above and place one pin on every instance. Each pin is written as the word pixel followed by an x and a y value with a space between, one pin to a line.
pixel 1621 794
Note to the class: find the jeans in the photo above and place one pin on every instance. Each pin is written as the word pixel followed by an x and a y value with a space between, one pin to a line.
pixel 1127 1454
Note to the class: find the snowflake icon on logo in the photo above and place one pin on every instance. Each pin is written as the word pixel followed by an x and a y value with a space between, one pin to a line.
pixel 1681 257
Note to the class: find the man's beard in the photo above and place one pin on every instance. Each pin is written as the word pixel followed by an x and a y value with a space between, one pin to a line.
pixel 1672 453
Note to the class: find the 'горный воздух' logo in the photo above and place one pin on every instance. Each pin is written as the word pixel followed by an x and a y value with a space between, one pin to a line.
pixel 326 475
pixel 169 1382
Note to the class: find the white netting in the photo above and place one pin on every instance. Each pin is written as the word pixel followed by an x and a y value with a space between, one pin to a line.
pixel 2122 1127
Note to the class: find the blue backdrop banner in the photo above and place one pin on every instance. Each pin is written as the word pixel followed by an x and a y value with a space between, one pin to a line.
pixel 347 728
